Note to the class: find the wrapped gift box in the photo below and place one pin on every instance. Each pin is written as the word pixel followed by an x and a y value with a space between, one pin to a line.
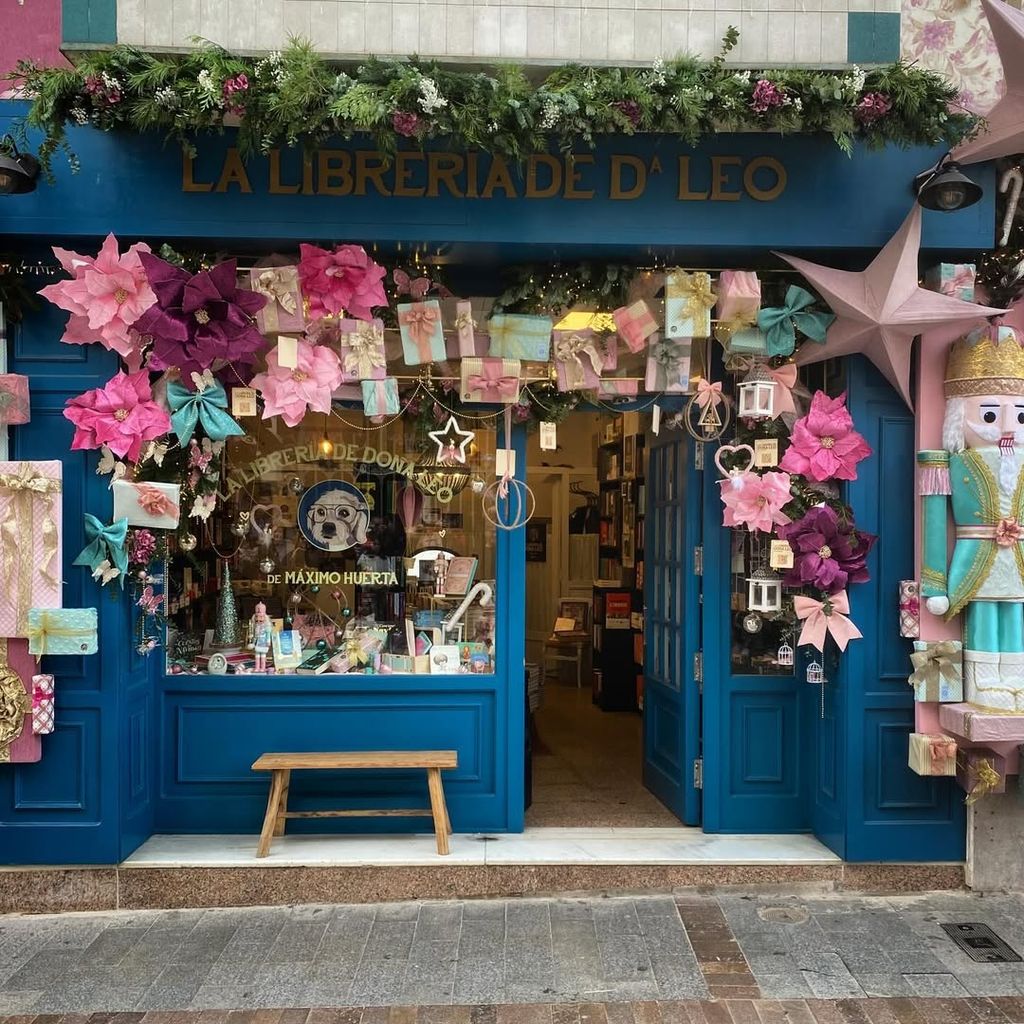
pixel 481 346
pixel 747 341
pixel 14 403
pixel 283 313
pixel 668 365
pixel 910 609
pixel 380 397
pixel 617 387
pixel 955 279
pixel 932 754
pixel 980 771
pixel 361 343
pixel 155 505
pixel 688 303
pixel 938 670
pixel 30 553
pixel 635 324
pixel 978 727
pixel 520 336
pixel 579 359
pixel 42 704
pixel 491 380
pixel 422 332
pixel 62 631
pixel 26 747
pixel 739 295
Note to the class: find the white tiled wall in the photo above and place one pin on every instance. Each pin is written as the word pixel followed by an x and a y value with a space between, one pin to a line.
pixel 772 32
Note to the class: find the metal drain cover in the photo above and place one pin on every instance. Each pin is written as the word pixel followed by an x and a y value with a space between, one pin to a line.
pixel 783 915
pixel 981 944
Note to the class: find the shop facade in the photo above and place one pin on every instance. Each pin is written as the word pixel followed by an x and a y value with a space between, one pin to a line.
pixel 139 749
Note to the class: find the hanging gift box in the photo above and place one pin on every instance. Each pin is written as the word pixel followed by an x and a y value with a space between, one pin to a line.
pixel 422 332
pixel 147 504
pixel 938 671
pixel 362 350
pixel 688 302
pixel 491 380
pixel 19 744
pixel 380 397
pixel 668 365
pixel 932 754
pixel 635 324
pixel 30 541
pixel 14 405
pixel 979 772
pixel 520 336
pixel 42 704
pixel 739 293
pixel 579 360
pixel 739 337
pixel 465 328
pixel 283 313
pixel 481 345
pixel 61 631
pixel 608 346
pixel 910 609
pixel 955 279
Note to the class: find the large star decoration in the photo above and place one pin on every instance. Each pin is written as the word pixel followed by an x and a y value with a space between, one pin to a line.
pixel 451 442
pixel 880 310
pixel 1004 133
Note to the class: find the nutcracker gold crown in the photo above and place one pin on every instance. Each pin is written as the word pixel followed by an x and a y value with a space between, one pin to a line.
pixel 985 366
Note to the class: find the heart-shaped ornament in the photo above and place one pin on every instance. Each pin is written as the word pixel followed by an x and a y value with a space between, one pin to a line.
pixel 731 449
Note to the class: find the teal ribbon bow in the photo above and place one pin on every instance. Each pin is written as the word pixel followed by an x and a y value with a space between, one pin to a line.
pixel 780 323
pixel 206 407
pixel 105 543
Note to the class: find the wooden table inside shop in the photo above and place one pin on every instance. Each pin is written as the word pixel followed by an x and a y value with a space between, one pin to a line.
pixel 281 767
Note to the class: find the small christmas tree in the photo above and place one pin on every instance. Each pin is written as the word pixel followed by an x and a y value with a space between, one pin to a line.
pixel 225 632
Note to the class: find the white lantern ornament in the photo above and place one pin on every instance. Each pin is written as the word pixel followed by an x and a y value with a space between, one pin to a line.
pixel 757 394
pixel 764 591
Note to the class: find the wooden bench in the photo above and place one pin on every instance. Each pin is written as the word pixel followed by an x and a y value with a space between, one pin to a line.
pixel 281 766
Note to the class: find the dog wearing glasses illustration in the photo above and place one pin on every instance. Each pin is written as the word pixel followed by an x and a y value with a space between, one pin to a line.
pixel 334 515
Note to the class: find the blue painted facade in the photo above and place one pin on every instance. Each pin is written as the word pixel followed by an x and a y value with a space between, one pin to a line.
pixel 136 751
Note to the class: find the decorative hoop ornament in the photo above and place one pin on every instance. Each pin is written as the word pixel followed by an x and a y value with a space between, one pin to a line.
pixel 518 499
pixel 708 413
pixel 732 449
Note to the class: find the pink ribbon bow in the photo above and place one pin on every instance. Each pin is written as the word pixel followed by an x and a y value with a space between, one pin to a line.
pixel 495 385
pixel 828 616
pixel 941 749
pixel 154 502
pixel 42 693
pixel 785 378
pixel 961 279
pixel 708 393
pixel 1008 531
pixel 420 320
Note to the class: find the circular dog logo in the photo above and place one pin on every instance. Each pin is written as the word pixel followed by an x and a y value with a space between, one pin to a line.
pixel 333 515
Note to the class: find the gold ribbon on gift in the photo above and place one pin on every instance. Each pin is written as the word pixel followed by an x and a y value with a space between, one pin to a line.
pixel 986 780
pixel 15 704
pixel 17 532
pixel 739 321
pixel 278 285
pixel 49 626
pixel 364 351
pixel 938 661
pixel 695 290
pixel 464 320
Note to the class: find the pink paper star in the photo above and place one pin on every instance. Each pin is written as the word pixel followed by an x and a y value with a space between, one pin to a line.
pixel 880 310
pixel 1004 133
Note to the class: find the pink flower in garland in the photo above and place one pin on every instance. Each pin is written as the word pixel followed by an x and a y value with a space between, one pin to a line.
pixel 631 109
pixel 105 297
pixel 755 500
pixel 824 445
pixel 405 123
pixel 872 107
pixel 199 319
pixel 827 554
pixel 289 392
pixel 767 95
pixel 121 415
pixel 344 280
pixel 232 91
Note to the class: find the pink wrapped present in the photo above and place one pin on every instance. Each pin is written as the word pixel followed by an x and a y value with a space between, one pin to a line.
pixel 30 541
pixel 154 505
pixel 910 609
pixel 422 332
pixel 955 279
pixel 932 754
pixel 579 360
pixel 362 349
pixel 17 666
pixel 491 380
pixel 14 405
pixel 979 772
pixel 739 296
pixel 42 704
pixel 465 327
pixel 283 313
pixel 635 324
pixel 481 345
pixel 979 727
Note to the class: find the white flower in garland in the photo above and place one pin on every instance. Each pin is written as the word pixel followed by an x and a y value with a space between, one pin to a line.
pixel 430 99
pixel 167 97
pixel 855 80
pixel 111 83
pixel 657 75
pixel 742 76
pixel 205 80
pixel 79 115
pixel 549 112
pixel 272 65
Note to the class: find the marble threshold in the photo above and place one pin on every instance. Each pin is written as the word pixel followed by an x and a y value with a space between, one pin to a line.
pixel 549 846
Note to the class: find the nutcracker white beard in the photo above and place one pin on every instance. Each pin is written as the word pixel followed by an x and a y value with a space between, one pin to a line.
pixel 953 431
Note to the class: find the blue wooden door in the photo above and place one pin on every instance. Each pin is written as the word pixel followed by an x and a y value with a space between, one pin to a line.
pixel 672 625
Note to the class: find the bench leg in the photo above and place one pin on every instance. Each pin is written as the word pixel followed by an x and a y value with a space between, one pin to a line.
pixel 273 801
pixel 283 805
pixel 441 826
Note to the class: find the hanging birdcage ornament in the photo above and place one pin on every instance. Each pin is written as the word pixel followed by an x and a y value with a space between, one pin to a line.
pixel 785 656
pixel 815 673
pixel 764 591
pixel 757 394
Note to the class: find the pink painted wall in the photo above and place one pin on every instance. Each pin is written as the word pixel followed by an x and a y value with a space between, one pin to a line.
pixel 30 28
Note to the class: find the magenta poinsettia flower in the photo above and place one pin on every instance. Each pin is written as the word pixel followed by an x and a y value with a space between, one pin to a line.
pixel 198 319
pixel 289 392
pixel 827 554
pixel 105 296
pixel 121 415
pixel 346 280
pixel 755 500
pixel 824 445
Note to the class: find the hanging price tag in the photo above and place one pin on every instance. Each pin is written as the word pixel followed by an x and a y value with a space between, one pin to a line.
pixel 243 402
pixel 766 451
pixel 548 435
pixel 656 419
pixel 505 457
pixel 780 555
pixel 287 351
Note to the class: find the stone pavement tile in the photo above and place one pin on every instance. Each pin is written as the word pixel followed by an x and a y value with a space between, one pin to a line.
pixel 624 957
pixel 223 997
pixel 402 1015
pixel 771 1011
pixel 482 1014
pixel 388 939
pixel 796 1011
pixel 443 1015
pixel 616 917
pixel 398 911
pixel 339 1015
pixel 47 963
pixel 647 1012
pixel 439 922
pixel 733 991
pixel 17 1002
pixel 565 1013
pixel 478 980
pixel 825 1011
pixel 743 1011
pixel 524 1013
pixel 715 1013
pixel 592 1013
pixel 986 1010
pixel 936 985
pixel 532 917
pixel 986 983
pixel 852 1011
pixel 205 942
pixel 618 1013
pixel 183 1017
pixel 175 987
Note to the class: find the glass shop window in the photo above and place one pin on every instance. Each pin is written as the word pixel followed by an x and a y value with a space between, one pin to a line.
pixel 338 548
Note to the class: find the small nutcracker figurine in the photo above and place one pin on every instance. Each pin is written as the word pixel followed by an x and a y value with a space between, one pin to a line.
pixel 261 630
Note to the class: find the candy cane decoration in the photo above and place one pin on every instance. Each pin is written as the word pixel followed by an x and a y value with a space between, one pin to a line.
pixel 1012 181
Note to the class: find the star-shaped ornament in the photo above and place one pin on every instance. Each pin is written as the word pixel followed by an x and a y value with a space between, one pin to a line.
pixel 1004 133
pixel 451 442
pixel 880 311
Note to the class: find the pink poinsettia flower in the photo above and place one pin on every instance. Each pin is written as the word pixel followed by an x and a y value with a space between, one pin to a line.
pixel 121 415
pixel 344 280
pixel 289 392
pixel 824 445
pixel 199 319
pixel 105 297
pixel 755 500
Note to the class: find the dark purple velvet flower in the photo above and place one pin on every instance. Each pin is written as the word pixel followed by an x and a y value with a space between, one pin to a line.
pixel 873 106
pixel 405 123
pixel 631 109
pixel 766 96
pixel 826 553
pixel 199 318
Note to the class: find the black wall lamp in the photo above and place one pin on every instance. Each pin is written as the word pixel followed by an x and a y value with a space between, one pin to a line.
pixel 18 171
pixel 944 187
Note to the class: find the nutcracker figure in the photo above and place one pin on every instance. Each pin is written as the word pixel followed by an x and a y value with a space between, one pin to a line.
pixel 261 635
pixel 982 471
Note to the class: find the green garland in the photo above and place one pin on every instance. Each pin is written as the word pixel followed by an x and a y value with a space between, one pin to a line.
pixel 295 96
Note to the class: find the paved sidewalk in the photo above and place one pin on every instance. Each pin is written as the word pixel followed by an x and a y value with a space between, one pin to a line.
pixel 744 952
